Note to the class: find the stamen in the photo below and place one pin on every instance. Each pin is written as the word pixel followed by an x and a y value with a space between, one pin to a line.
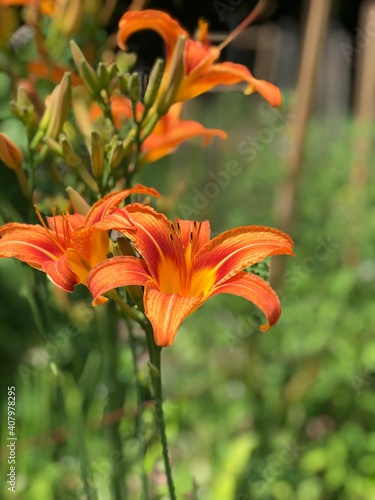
pixel 52 235
pixel 171 237
pixel 191 237
pixel 172 227
pixel 195 224
pixel 254 14
pixel 178 227
pixel 109 255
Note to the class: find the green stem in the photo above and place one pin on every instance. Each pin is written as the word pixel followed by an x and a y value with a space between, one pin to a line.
pixel 138 425
pixel 115 401
pixel 155 370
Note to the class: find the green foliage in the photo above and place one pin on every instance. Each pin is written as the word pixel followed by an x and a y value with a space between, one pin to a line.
pixel 287 415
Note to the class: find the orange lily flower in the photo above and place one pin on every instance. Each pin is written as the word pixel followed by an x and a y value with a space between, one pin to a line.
pixel 181 268
pixel 68 246
pixel 46 7
pixel 169 132
pixel 201 70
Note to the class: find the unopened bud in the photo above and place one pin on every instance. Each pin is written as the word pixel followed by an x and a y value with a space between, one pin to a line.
pixel 90 78
pixel 134 87
pixel 106 73
pixel 85 70
pixel 79 204
pixel 123 82
pixel 174 77
pixel 10 153
pixel 68 17
pixel 97 154
pixel 116 155
pixel 71 158
pixel 125 61
pixel 154 81
pixel 60 105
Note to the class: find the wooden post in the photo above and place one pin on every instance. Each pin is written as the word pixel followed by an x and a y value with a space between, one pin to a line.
pixel 286 199
pixel 364 108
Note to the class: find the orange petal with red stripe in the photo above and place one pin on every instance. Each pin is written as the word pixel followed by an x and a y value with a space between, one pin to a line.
pixel 166 312
pixel 110 202
pixel 233 250
pixel 116 272
pixel 257 291
pixel 60 274
pixel 28 243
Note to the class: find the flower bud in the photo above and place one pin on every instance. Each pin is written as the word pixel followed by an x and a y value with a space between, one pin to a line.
pixel 10 154
pixel 97 154
pixel 60 105
pixel 79 204
pixel 116 155
pixel 106 73
pixel 85 70
pixel 68 17
pixel 134 90
pixel 71 158
pixel 174 77
pixel 153 86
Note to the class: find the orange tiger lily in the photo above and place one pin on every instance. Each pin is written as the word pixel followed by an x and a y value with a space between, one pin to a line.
pixel 181 268
pixel 68 246
pixel 169 132
pixel 201 70
pixel 46 7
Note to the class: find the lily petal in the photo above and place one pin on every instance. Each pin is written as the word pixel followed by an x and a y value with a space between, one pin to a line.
pixel 227 73
pixel 256 290
pixel 152 238
pixel 233 250
pixel 28 243
pixel 154 20
pixel 60 274
pixel 111 201
pixel 166 312
pixel 158 145
pixel 114 273
pixel 92 244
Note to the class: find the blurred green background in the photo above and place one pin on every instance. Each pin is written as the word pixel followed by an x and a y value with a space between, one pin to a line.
pixel 286 415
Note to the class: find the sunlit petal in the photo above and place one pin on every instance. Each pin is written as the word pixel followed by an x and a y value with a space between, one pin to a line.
pixel 158 145
pixel 60 274
pixel 233 250
pixel 166 312
pixel 256 290
pixel 28 243
pixel 112 200
pixel 116 272
pixel 227 73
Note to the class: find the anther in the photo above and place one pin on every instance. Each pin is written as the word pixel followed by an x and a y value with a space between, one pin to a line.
pixel 109 255
pixel 171 237
pixel 178 227
pixel 195 224
pixel 172 227
pixel 191 237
